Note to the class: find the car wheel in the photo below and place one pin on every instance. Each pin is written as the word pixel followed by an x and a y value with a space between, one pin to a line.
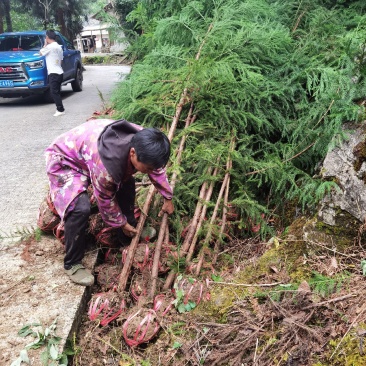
pixel 77 84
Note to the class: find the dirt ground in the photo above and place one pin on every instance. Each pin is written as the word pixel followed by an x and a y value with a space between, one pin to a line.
pixel 285 302
pixel 34 289
pixel 252 318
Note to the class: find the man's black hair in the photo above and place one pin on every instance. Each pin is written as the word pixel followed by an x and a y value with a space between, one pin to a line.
pixel 51 34
pixel 152 147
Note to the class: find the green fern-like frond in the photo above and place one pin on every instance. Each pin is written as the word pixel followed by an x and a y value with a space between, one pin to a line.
pixel 283 75
pixel 325 286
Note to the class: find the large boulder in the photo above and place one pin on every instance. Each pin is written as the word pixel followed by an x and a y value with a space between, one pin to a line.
pixel 346 165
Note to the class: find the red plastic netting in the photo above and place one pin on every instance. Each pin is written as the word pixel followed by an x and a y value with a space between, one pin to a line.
pixel 47 218
pixel 105 307
pixel 140 327
pixel 192 289
pixel 144 256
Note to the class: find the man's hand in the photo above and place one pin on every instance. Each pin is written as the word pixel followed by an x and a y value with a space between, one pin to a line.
pixel 129 230
pixel 168 207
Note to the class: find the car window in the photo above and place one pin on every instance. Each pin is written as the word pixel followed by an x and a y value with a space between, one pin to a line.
pixel 69 45
pixel 9 43
pixel 31 43
pixel 59 40
pixel 20 43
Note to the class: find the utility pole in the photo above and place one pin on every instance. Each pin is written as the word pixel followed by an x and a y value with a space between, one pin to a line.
pixel 47 5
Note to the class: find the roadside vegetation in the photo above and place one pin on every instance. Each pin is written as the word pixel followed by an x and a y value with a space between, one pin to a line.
pixel 279 79
pixel 109 59
pixel 65 16
pixel 252 93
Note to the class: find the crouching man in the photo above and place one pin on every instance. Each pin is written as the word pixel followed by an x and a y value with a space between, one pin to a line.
pixel 105 154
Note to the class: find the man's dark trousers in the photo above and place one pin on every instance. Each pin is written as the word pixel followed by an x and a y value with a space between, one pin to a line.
pixel 77 220
pixel 55 81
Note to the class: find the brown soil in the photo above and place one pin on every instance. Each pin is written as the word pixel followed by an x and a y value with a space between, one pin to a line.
pixel 107 276
pixel 266 322
pixel 274 325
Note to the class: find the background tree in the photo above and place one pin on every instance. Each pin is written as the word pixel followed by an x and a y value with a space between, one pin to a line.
pixel 282 77
pixel 1 17
pixel 22 21
pixel 64 15
pixel 5 14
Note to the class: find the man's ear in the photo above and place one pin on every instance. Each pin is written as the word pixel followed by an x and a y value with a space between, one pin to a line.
pixel 132 151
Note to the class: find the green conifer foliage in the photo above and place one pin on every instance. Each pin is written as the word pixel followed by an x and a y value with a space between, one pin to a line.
pixel 283 76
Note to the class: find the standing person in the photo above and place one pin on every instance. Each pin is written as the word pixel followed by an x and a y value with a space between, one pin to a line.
pixel 105 154
pixel 88 42
pixel 91 45
pixel 54 56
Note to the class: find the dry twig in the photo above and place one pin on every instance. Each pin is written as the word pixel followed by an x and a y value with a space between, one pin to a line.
pixel 349 328
pixel 246 284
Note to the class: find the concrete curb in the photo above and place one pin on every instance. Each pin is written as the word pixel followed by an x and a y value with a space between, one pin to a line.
pixel 34 289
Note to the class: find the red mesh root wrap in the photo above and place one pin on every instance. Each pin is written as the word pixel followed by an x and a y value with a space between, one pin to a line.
pixel 108 276
pixel 104 235
pixel 192 289
pixel 47 218
pixel 162 304
pixel 140 327
pixel 59 232
pixel 144 257
pixel 105 308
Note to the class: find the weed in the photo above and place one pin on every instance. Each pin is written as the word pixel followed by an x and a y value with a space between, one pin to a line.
pixel 325 286
pixel 38 234
pixel 177 329
pixel 103 100
pixel 43 338
pixel 180 304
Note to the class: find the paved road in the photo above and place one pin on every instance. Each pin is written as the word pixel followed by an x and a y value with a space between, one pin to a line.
pixel 27 127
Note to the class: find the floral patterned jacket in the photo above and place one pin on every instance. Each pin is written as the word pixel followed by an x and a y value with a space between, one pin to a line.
pixel 95 153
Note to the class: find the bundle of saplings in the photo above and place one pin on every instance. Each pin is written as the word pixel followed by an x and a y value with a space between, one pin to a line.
pixel 259 90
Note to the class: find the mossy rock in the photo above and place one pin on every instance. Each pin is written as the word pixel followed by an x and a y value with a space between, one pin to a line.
pixel 346 351
pixel 285 255
pixel 304 236
pixel 338 236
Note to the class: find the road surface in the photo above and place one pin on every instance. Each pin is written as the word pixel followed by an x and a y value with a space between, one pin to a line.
pixel 27 128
